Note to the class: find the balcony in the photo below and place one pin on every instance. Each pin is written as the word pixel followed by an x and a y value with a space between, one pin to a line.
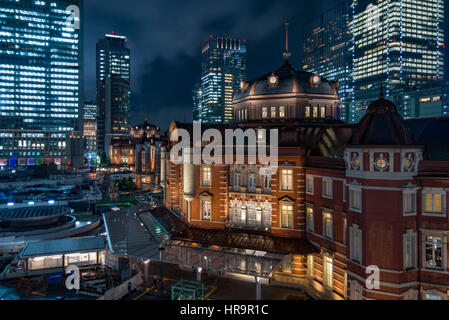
pixel 246 190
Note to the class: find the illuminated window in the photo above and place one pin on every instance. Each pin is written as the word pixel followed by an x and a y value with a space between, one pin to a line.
pixel 273 112
pixel 264 112
pixel 281 112
pixel 434 202
pixel 315 112
pixel 433 252
pixel 307 112
pixel 310 218
pixel 328 224
pixel 287 216
pixel 328 279
pixel 287 180
pixel 323 112
pixel 310 185
pixel 206 209
pixel 206 176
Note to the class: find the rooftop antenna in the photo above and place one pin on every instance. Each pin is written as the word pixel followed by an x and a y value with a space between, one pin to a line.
pixel 287 54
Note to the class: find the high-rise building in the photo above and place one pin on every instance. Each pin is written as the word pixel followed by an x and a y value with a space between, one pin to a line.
pixel 326 45
pixel 400 42
pixel 40 78
pixel 113 89
pixel 223 69
pixel 90 130
pixel 196 98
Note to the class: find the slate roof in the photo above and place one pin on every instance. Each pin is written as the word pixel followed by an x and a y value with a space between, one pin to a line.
pixel 290 81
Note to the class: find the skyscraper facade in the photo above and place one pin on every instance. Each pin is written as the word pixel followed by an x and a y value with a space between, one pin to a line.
pixel 223 69
pixel 113 89
pixel 326 46
pixel 90 130
pixel 196 99
pixel 40 77
pixel 398 41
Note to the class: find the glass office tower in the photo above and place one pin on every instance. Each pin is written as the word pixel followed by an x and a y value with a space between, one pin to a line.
pixel 196 98
pixel 113 89
pixel 40 79
pixel 40 65
pixel 223 68
pixel 399 41
pixel 326 46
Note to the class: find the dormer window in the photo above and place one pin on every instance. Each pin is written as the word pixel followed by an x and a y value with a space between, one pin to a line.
pixel 281 112
pixel 264 112
pixel 307 112
pixel 323 112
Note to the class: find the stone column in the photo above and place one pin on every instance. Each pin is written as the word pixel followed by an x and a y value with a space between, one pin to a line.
pixel 189 174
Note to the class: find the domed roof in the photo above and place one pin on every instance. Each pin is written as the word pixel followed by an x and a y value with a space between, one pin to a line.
pixel 288 81
pixel 383 126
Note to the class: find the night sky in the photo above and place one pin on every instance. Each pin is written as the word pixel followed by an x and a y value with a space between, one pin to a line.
pixel 166 37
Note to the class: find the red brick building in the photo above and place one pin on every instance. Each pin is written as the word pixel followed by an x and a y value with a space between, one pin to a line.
pixel 346 198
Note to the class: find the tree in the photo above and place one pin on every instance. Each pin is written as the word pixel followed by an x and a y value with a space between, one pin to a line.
pixel 104 161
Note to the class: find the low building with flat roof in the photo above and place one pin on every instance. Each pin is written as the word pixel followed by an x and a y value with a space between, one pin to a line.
pixel 47 257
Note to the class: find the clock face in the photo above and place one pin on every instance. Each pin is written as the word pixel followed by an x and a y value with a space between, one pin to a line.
pixel 316 79
pixel 273 79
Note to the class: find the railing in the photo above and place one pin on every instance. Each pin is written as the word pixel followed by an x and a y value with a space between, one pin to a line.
pixel 154 227
pixel 122 290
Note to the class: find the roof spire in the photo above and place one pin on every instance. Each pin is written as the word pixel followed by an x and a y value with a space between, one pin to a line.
pixel 287 54
pixel 382 96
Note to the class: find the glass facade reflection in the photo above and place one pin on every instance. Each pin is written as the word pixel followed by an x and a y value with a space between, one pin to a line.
pixel 399 41
pixel 40 65
pixel 326 46
pixel 223 68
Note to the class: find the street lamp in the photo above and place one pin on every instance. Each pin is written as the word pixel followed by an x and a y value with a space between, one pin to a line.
pixel 161 257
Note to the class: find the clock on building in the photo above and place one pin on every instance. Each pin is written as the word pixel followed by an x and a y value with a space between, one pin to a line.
pixel 273 81
pixel 315 80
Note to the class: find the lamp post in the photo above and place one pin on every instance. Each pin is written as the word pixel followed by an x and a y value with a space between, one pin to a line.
pixel 161 257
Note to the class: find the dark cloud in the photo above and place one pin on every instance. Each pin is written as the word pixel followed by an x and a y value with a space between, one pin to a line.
pixel 166 36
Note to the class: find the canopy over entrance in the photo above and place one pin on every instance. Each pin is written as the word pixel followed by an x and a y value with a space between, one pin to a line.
pixel 144 236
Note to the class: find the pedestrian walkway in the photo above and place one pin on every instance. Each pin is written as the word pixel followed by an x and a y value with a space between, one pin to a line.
pixel 216 287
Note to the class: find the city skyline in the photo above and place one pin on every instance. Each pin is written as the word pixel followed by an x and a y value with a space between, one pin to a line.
pixel 315 168
pixel 170 58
